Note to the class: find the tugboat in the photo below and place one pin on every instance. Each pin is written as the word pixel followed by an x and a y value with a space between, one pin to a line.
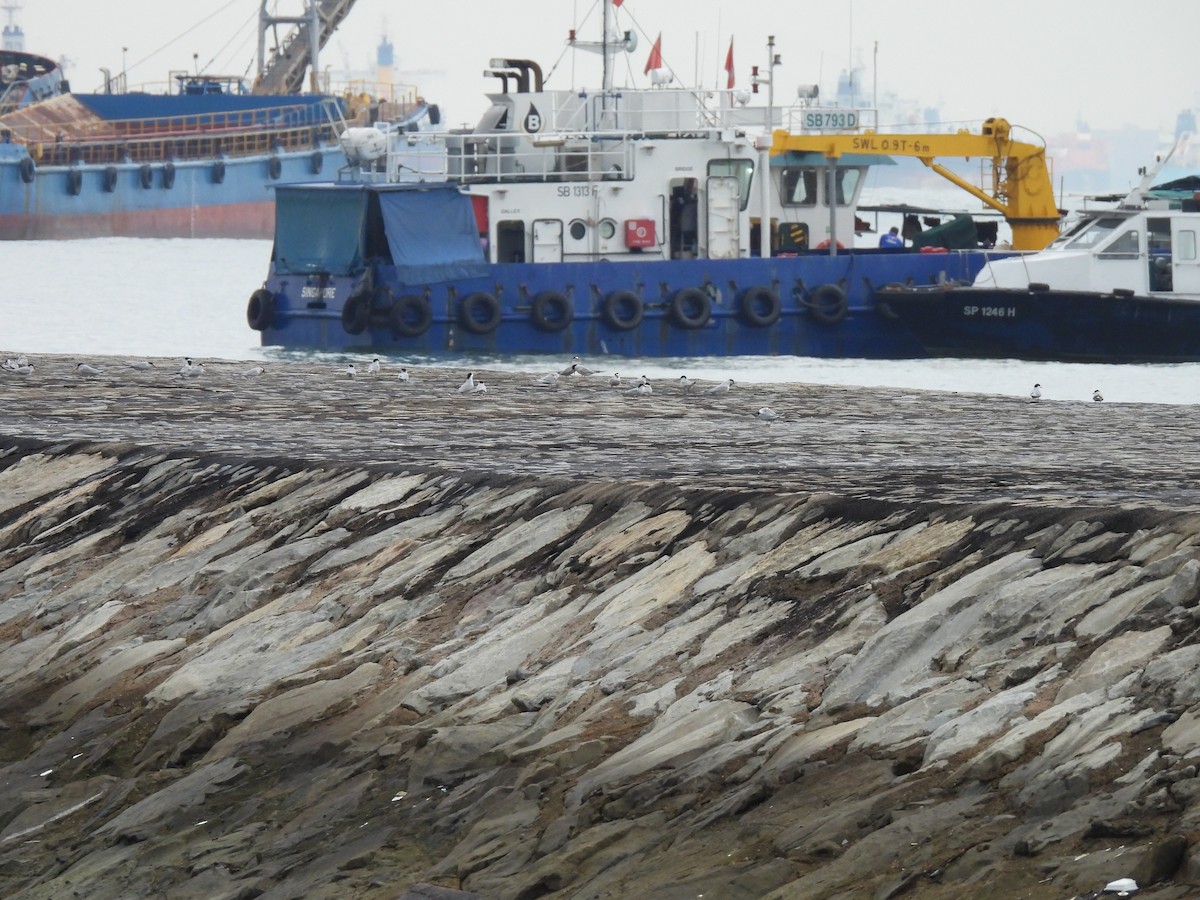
pixel 638 222
pixel 1120 286
pixel 197 161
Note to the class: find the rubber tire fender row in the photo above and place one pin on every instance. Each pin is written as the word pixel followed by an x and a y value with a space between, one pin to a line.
pixel 690 308
pixel 356 313
pixel 760 306
pixel 828 304
pixel 28 169
pixel 260 312
pixel 469 313
pixel 551 311
pixel 623 310
pixel 411 315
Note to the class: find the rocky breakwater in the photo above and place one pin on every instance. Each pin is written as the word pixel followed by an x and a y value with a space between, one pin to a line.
pixel 309 636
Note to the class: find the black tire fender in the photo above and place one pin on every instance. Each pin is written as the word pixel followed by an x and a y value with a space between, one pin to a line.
pixel 274 167
pixel 623 310
pixel 168 178
pixel 146 176
pixel 316 162
pixel 411 315
pixel 218 172
pixel 691 308
pixel 28 169
pixel 356 313
pixel 480 313
pixel 74 181
pixel 551 311
pixel 829 304
pixel 261 310
pixel 760 306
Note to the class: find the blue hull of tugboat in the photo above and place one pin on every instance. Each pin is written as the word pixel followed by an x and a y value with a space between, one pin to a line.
pixel 1065 326
pixel 307 312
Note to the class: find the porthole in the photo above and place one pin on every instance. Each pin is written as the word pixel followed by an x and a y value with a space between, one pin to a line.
pixel 577 230
pixel 608 228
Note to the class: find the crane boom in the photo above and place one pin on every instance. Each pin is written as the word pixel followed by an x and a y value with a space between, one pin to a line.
pixel 1021 188
pixel 283 72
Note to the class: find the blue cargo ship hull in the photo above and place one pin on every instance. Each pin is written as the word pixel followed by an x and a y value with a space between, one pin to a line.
pixel 188 198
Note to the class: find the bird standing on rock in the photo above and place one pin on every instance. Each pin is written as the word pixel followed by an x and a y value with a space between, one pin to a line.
pixel 685 382
pixel 186 367
pixel 642 390
pixel 469 385
pixel 722 388
pixel 767 414
pixel 480 388
pixel 351 371
pixel 140 364
pixel 254 372
pixel 1036 393
pixel 615 381
pixel 403 375
pixel 549 378
pixel 85 369
pixel 373 368
pixel 1097 396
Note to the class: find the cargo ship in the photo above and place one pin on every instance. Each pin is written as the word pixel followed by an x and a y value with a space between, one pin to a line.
pixel 198 159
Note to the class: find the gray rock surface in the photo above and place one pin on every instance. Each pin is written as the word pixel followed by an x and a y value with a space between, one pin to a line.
pixel 312 637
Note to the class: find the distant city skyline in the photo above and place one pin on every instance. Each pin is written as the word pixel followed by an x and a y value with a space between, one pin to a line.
pixel 1044 66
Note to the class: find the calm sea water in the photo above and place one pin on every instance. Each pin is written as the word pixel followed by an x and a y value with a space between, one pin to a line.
pixel 128 297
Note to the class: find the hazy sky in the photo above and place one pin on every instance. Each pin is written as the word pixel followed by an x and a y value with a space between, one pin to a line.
pixel 1043 64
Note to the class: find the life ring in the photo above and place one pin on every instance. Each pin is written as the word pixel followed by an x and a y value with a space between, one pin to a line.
pixel 356 314
pixel 760 306
pixel 480 313
pixel 146 176
pixel 261 309
pixel 691 308
pixel 551 311
pixel 74 181
pixel 411 315
pixel 110 179
pixel 218 171
pixel 27 168
pixel 824 245
pixel 168 180
pixel 274 167
pixel 316 162
pixel 828 304
pixel 623 310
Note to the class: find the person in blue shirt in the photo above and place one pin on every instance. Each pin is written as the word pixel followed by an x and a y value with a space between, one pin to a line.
pixel 892 238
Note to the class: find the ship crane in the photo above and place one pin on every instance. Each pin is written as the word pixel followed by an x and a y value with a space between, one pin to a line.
pixel 1021 189
pixel 283 72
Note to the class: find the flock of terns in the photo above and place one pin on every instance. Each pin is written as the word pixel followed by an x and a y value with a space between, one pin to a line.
pixel 20 365
pixel 1036 394
pixel 471 385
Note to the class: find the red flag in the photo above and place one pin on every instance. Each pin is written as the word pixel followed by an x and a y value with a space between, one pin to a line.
pixel 655 60
pixel 729 64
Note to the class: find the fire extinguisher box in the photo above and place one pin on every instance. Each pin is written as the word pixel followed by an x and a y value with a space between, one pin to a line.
pixel 639 233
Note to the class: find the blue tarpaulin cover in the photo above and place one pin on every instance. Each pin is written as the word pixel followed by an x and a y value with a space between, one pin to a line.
pixel 319 229
pixel 432 235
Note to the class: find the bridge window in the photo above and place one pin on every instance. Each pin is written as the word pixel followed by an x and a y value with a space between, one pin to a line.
pixel 1185 245
pixel 846 186
pixel 799 187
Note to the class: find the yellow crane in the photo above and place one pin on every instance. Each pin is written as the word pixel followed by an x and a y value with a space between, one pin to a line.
pixel 1021 189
